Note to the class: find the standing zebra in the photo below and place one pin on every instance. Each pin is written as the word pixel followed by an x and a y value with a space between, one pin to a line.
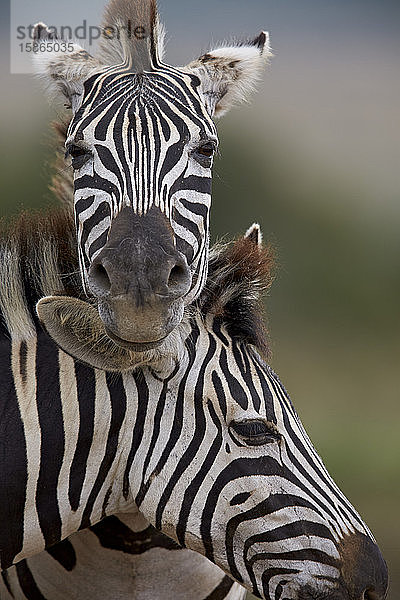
pixel 142 141
pixel 206 446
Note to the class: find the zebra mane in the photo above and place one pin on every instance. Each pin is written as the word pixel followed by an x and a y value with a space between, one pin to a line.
pixel 239 275
pixel 62 182
pixel 133 35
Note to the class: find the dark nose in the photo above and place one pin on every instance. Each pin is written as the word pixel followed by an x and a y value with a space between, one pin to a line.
pixel 363 568
pixel 130 270
pixel 140 260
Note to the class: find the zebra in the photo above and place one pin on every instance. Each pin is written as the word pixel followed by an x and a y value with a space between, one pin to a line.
pixel 206 445
pixel 142 140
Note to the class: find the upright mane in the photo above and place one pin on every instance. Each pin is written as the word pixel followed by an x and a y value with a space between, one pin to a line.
pixel 37 258
pixel 239 275
pixel 132 35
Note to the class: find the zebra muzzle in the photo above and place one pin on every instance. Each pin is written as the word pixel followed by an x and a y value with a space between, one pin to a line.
pixel 140 280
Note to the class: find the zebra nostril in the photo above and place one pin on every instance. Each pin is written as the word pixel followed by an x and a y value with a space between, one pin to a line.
pixel 99 278
pixel 176 275
pixel 179 279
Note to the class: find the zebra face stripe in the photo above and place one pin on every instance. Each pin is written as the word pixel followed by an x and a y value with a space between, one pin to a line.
pixel 268 514
pixel 141 152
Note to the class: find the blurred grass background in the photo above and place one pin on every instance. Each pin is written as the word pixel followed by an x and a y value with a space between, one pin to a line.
pixel 314 159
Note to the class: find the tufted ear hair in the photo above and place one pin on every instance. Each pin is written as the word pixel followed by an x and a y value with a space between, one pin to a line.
pixel 64 66
pixel 229 74
pixel 254 234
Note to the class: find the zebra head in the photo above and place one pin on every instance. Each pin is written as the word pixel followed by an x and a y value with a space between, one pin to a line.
pixel 224 466
pixel 142 140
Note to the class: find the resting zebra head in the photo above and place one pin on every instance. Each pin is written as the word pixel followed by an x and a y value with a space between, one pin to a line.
pixel 231 472
pixel 142 140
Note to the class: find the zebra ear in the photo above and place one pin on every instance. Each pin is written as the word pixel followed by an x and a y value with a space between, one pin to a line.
pixel 64 66
pixel 254 234
pixel 229 74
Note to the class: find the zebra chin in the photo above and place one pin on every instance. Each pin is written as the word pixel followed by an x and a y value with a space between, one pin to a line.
pixel 139 328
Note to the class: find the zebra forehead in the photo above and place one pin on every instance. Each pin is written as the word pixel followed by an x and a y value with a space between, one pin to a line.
pixel 171 91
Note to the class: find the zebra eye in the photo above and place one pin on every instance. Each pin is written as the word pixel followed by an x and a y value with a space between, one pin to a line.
pixel 255 432
pixel 204 153
pixel 78 154
pixel 206 150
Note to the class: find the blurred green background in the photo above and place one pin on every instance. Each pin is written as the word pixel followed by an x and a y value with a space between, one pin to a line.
pixel 314 159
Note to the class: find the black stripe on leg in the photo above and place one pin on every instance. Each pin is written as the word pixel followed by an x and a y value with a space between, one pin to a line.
pixel 221 591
